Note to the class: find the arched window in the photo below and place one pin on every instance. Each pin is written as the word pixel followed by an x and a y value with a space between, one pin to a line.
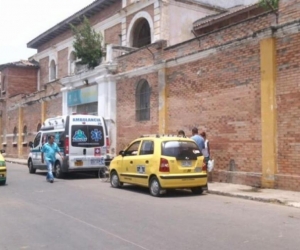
pixel 15 132
pixel 52 70
pixel 72 60
pixel 24 133
pixel 142 101
pixel 38 127
pixel 141 33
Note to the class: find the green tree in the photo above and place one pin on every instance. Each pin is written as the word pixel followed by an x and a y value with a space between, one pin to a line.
pixel 269 4
pixel 87 44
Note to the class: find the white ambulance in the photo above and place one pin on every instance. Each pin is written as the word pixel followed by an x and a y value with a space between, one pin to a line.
pixel 83 140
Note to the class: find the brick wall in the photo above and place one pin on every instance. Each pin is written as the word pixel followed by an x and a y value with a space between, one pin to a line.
pixel 111 35
pixel 127 126
pixel 62 58
pixel 143 57
pixel 21 80
pixel 220 93
pixel 289 10
pixel 288 104
pixel 31 114
pixel 44 70
pixel 11 123
pixel 54 107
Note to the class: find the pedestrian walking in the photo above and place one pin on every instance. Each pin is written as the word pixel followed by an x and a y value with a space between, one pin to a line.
pixel 206 150
pixel 50 149
pixel 198 139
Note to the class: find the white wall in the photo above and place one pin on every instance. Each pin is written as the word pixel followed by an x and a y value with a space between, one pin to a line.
pixel 181 17
pixel 228 3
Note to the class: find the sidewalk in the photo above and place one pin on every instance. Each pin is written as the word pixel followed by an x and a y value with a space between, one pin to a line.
pixel 287 198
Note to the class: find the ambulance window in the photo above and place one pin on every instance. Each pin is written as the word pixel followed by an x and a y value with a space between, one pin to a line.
pixel 59 139
pixel 87 136
pixel 37 140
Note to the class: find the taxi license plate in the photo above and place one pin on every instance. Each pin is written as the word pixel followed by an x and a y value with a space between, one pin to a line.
pixel 186 163
pixel 78 163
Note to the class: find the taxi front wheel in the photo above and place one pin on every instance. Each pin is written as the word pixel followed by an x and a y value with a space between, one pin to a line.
pixel 155 189
pixel 114 180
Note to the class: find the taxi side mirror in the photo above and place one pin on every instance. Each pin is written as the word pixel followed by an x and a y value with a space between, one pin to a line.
pixel 30 144
pixel 122 152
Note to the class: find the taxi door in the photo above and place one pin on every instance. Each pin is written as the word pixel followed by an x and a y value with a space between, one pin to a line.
pixel 144 162
pixel 129 162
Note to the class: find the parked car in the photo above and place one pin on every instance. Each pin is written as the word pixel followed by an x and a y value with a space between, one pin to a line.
pixel 2 170
pixel 160 163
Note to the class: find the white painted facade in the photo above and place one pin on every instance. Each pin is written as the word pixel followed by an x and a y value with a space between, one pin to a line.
pixel 101 77
pixel 228 3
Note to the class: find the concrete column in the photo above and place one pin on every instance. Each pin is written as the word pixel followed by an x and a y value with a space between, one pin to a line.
pixel 268 111
pixel 65 108
pixel 20 132
pixel 44 111
pixel 107 106
pixel 163 107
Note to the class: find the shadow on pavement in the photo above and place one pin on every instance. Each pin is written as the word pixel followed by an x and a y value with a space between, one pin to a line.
pixel 172 193
pixel 72 176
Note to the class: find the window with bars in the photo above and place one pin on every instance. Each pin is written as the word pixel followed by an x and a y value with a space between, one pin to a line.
pixel 143 101
pixel 24 133
pixel 15 132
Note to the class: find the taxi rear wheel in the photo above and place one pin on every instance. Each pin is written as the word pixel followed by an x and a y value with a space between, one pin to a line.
pixel 30 167
pixel 114 180
pixel 154 187
pixel 197 190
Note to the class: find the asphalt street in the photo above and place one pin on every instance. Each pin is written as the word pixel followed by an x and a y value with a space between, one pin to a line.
pixel 81 212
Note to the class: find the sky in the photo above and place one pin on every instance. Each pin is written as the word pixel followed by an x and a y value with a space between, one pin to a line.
pixel 23 20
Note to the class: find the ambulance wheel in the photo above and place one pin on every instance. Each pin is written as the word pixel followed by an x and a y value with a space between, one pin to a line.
pixel 30 167
pixel 57 171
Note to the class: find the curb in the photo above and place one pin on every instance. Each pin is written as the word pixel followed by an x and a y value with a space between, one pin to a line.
pixel 16 162
pixel 265 200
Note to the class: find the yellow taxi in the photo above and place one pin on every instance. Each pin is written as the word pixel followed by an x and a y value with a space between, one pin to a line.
pixel 2 170
pixel 160 162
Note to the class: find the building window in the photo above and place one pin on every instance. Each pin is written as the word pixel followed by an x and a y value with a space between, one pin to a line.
pixel 141 35
pixel 72 63
pixel 38 127
pixel 88 108
pixel 143 101
pixel 24 133
pixel 52 70
pixel 15 132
